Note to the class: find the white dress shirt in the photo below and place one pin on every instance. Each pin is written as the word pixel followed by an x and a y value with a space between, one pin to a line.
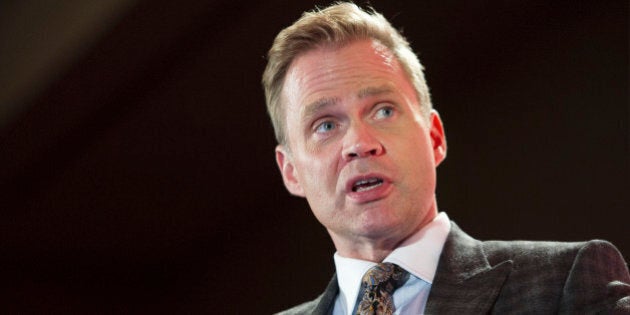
pixel 419 255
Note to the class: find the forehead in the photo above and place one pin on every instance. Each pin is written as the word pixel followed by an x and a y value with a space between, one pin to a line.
pixel 316 67
pixel 332 72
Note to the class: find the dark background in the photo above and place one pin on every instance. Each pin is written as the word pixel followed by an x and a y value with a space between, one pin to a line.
pixel 138 175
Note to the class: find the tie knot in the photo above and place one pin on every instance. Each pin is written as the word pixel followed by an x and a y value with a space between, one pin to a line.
pixel 385 276
pixel 378 285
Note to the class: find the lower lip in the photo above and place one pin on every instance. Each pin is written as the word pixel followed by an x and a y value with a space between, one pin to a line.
pixel 374 194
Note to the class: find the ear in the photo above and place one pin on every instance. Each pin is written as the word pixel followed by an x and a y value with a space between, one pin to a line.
pixel 288 171
pixel 438 138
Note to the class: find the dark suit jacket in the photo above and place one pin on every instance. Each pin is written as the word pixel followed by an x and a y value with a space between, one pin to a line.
pixel 517 277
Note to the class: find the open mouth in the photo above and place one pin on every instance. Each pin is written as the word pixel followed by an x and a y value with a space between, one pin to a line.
pixel 366 184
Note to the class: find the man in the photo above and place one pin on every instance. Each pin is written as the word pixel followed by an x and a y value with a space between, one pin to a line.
pixel 358 138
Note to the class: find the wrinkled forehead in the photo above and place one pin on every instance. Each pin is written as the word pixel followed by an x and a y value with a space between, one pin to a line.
pixel 353 61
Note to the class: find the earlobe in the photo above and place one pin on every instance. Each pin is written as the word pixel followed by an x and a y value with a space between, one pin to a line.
pixel 438 137
pixel 288 172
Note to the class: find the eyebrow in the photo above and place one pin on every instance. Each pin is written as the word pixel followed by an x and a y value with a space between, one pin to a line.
pixel 315 107
pixel 374 91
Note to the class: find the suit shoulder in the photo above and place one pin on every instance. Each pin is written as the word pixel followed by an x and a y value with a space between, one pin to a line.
pixel 543 252
pixel 600 247
pixel 547 247
pixel 524 252
pixel 601 259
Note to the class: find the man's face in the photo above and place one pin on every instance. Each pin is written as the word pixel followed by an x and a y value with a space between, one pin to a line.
pixel 358 147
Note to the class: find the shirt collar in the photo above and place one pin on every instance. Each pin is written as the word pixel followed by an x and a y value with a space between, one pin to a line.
pixel 419 255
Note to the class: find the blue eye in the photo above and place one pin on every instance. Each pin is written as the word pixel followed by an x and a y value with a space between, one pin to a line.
pixel 385 112
pixel 325 127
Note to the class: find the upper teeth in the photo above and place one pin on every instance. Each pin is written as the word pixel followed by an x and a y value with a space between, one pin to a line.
pixel 373 182
pixel 366 181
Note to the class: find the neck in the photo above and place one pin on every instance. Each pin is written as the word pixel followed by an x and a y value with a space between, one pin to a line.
pixel 369 252
pixel 375 249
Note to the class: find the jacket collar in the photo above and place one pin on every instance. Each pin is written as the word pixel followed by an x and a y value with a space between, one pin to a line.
pixel 465 281
pixel 327 299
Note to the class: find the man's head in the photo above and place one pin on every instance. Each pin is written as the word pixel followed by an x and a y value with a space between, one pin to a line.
pixel 336 26
pixel 357 143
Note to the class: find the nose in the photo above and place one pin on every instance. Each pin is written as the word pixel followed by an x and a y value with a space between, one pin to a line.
pixel 359 142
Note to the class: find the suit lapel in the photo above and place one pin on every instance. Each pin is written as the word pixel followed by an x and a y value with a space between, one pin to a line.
pixel 327 299
pixel 465 281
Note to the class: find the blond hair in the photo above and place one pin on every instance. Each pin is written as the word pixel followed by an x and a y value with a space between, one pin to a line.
pixel 337 25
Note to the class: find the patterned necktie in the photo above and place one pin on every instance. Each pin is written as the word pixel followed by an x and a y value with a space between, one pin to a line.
pixel 378 285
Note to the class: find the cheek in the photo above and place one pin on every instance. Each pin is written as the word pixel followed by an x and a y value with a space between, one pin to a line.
pixel 415 156
pixel 421 146
pixel 315 172
pixel 322 158
pixel 326 180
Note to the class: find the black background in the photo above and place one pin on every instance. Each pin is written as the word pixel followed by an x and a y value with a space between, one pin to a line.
pixel 143 179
